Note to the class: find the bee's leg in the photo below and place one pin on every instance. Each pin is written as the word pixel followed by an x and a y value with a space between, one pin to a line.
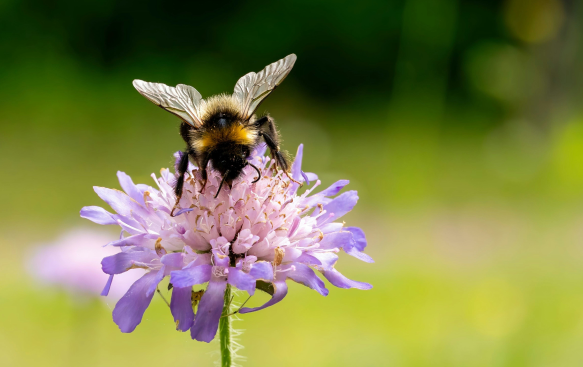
pixel 182 167
pixel 275 153
pixel 258 172
pixel 204 179
pixel 222 182
pixel 267 130
pixel 203 163
pixel 271 138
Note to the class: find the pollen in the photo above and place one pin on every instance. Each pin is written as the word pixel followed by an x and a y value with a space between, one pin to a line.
pixel 236 133
pixel 279 253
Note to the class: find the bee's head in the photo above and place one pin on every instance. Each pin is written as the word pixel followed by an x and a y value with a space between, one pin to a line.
pixel 229 160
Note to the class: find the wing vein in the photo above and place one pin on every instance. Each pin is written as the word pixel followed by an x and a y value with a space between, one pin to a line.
pixel 252 88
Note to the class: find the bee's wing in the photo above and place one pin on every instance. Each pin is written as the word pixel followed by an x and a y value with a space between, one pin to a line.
pixel 252 88
pixel 184 101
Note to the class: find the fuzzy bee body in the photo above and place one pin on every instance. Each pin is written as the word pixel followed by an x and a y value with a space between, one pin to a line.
pixel 223 130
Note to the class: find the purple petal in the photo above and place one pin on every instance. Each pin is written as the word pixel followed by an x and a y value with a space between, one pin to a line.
pixel 156 281
pixel 306 276
pixel 191 275
pixel 144 188
pixel 331 227
pixel 311 176
pixel 314 200
pixel 294 226
pixel 262 270
pixel 334 188
pixel 241 280
pixel 296 169
pixel 259 150
pixel 120 202
pixel 124 261
pixel 105 290
pixel 195 240
pixel 358 236
pixel 305 177
pixel 130 225
pixel 130 308
pixel 168 177
pixel 142 240
pixel 98 215
pixel 308 259
pixel 341 281
pixel 336 240
pixel 201 259
pixel 352 251
pixel 220 259
pixel 181 308
pixel 128 186
pixel 206 321
pixel 321 197
pixel 278 295
pixel 173 261
pixel 358 245
pixel 339 206
pixel 327 259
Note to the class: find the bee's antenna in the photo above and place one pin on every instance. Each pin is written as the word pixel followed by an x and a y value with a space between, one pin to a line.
pixel 221 185
pixel 258 172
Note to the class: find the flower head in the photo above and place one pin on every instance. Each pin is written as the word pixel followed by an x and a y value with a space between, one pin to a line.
pixel 253 235
pixel 69 263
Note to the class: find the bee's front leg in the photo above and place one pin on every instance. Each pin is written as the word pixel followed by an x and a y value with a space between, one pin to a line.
pixel 181 170
pixel 204 161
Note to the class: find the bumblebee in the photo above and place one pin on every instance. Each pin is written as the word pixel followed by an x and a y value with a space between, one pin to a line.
pixel 223 129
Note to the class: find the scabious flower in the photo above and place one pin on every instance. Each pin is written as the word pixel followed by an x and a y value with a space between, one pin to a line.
pixel 253 235
pixel 69 263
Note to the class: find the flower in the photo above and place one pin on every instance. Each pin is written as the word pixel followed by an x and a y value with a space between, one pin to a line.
pixel 253 235
pixel 69 263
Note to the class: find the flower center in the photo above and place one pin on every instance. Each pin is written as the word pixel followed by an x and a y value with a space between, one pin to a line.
pixel 220 271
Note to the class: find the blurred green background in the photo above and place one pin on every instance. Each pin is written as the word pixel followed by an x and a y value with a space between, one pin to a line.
pixel 458 122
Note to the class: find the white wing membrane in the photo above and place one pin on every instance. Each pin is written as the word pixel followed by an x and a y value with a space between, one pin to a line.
pixel 184 101
pixel 252 88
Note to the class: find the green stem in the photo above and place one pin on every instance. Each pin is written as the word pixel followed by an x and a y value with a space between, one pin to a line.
pixel 225 331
